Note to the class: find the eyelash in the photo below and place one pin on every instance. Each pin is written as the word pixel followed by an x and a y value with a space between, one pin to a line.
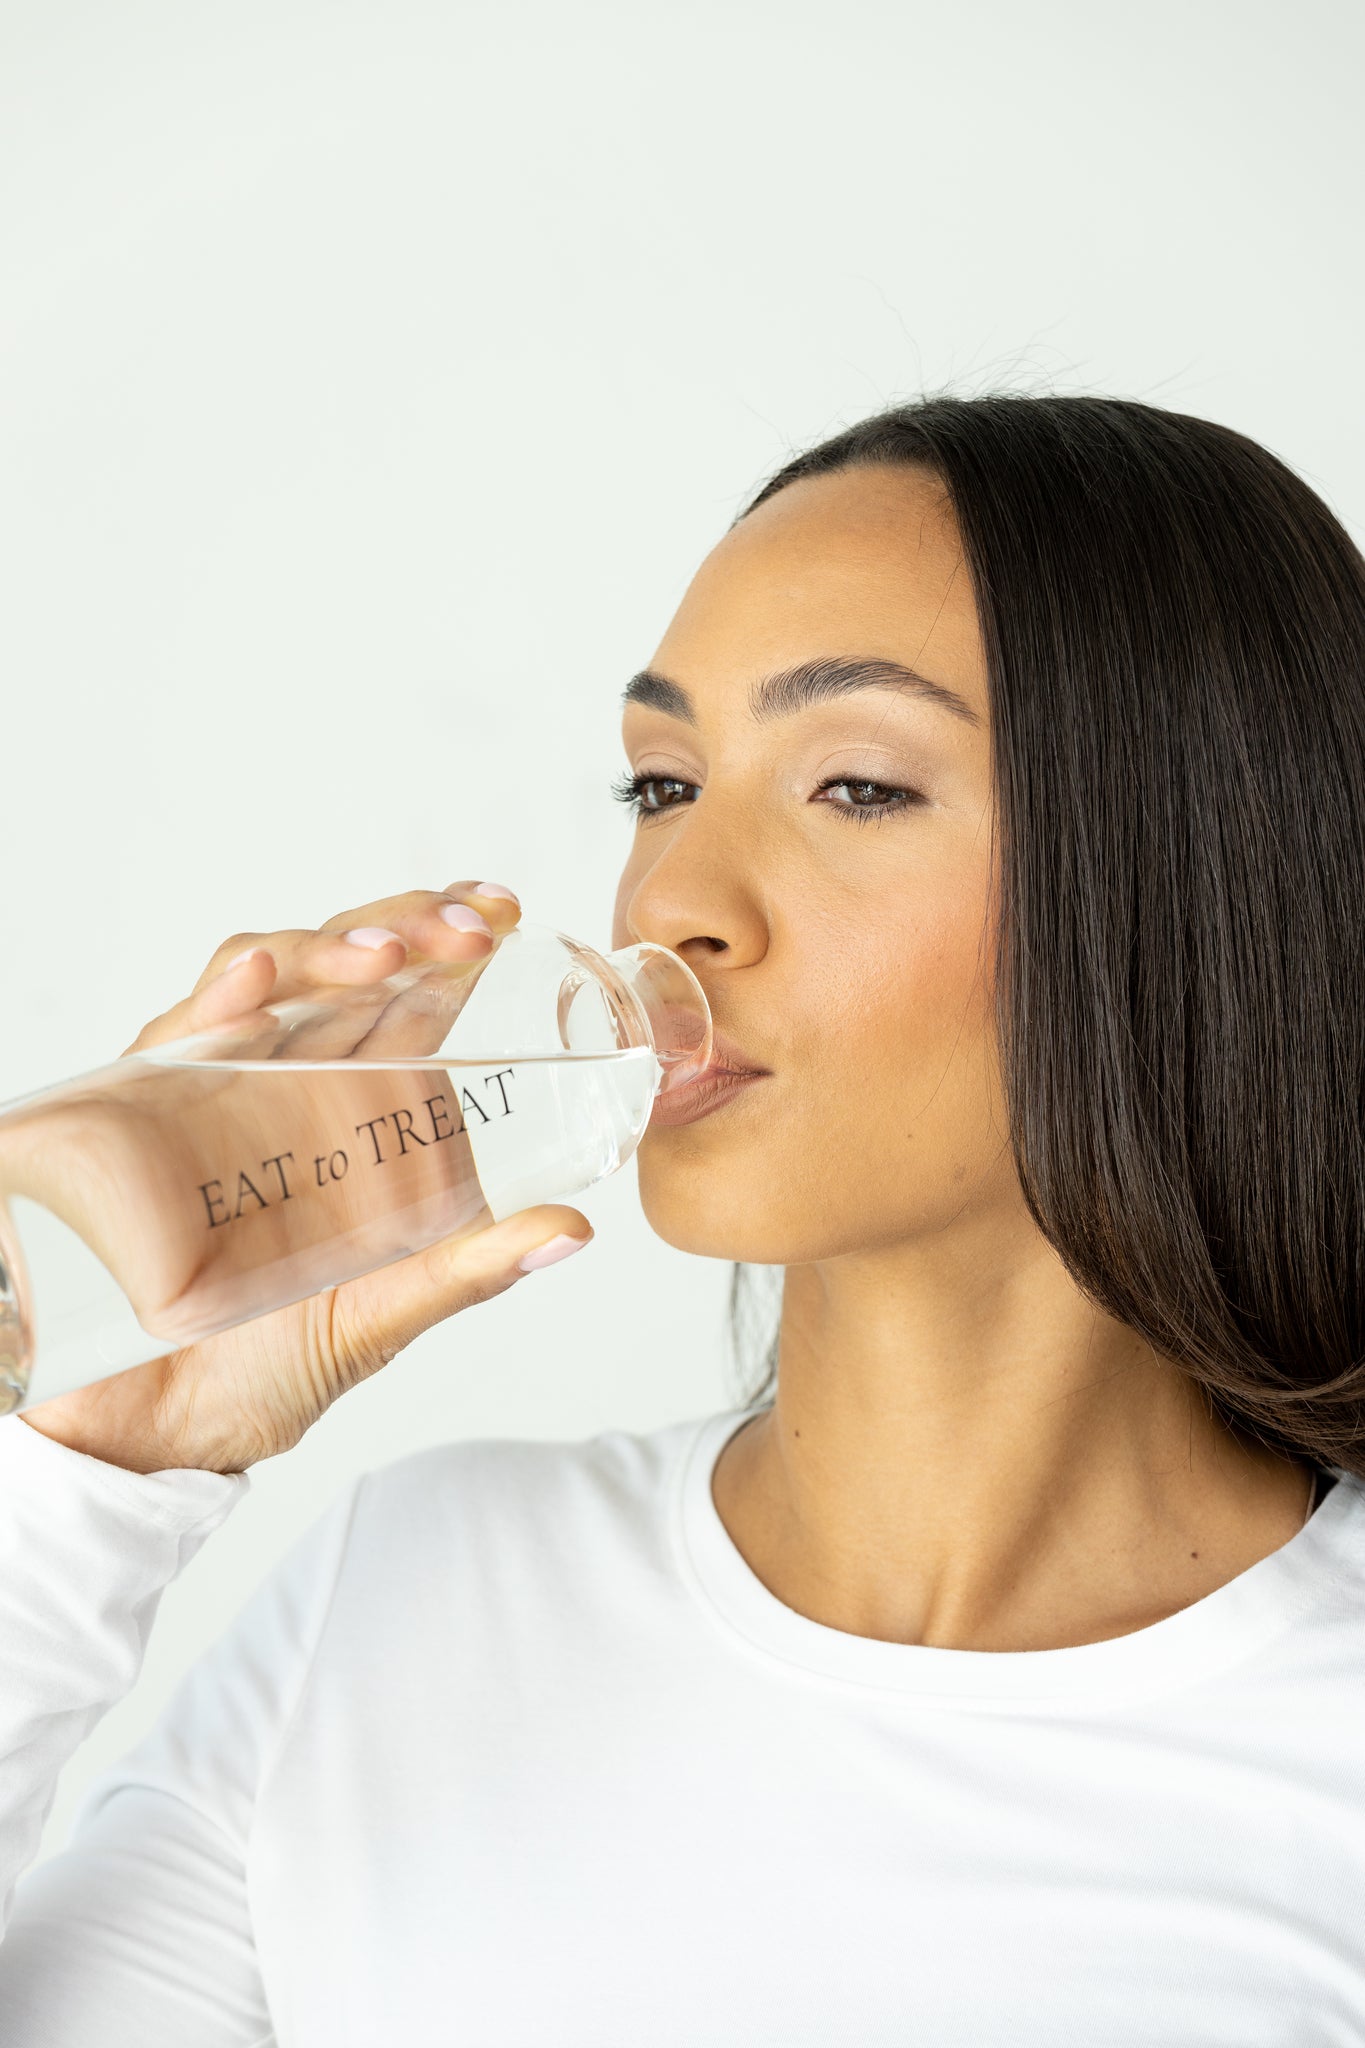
pixel 629 789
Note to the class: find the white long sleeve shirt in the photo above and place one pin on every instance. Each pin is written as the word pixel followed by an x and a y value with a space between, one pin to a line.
pixel 513 1747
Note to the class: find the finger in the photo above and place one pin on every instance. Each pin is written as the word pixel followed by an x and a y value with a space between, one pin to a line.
pixel 352 949
pixel 247 983
pixel 367 1322
pixel 304 959
pixel 368 944
pixel 413 1021
pixel 433 922
pixel 251 975
pixel 372 940
pixel 417 1022
pixel 407 1015
pixel 493 896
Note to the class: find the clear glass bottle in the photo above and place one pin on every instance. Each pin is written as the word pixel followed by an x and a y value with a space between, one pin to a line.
pixel 189 1187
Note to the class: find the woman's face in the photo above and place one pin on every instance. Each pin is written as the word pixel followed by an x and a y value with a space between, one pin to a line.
pixel 846 953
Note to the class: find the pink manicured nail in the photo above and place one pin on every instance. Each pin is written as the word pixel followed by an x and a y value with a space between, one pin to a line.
pixel 372 935
pixel 464 919
pixel 239 959
pixel 547 1254
pixel 496 889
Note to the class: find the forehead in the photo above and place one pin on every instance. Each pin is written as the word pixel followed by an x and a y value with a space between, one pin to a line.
pixel 865 561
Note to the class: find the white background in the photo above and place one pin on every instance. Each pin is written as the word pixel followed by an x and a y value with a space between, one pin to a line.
pixel 373 378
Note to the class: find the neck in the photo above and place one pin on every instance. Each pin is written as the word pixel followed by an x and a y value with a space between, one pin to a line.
pixel 988 1465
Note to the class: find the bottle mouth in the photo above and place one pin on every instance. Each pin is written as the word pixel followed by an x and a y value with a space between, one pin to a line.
pixel 675 1010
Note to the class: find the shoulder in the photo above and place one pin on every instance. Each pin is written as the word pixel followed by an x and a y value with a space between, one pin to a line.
pixel 501 1503
pixel 615 1464
pixel 1322 1573
pixel 1332 1541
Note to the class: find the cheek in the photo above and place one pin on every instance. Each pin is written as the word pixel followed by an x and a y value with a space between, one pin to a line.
pixel 895 985
pixel 883 1116
pixel 903 1021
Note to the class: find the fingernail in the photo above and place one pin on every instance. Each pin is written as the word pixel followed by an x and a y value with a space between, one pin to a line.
pixel 547 1254
pixel 496 889
pixel 238 959
pixel 464 919
pixel 372 935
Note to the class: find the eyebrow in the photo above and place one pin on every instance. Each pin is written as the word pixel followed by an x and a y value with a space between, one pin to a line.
pixel 795 689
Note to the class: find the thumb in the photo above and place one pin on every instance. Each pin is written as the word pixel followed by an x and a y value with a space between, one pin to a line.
pixel 375 1317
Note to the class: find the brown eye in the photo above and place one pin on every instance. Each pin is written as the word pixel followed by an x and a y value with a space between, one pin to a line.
pixel 630 789
pixel 901 799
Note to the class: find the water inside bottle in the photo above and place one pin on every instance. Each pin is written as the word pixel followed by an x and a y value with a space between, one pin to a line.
pixel 168 1198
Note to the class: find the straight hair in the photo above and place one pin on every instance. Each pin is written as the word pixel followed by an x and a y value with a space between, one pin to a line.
pixel 1174 634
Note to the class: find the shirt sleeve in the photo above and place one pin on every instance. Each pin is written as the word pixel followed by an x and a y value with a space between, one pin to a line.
pixel 137 1934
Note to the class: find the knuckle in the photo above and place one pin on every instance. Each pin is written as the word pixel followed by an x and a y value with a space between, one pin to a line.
pixel 410 901
pixel 457 1282
pixel 469 1293
pixel 472 1288
pixel 238 943
pixel 374 913
pixel 353 1343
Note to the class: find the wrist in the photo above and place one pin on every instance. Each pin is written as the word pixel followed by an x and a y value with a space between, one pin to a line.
pixel 112 1421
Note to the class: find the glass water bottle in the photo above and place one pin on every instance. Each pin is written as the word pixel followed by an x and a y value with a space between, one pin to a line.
pixel 197 1184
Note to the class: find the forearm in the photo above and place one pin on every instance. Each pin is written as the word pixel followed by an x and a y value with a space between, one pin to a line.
pixel 86 1550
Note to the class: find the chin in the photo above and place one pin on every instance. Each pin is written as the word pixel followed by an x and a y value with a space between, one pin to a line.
pixel 713 1215
pixel 723 1213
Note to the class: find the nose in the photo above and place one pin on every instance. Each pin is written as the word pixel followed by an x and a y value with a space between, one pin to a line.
pixel 709 916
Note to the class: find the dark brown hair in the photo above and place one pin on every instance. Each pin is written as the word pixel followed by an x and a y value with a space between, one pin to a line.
pixel 1174 627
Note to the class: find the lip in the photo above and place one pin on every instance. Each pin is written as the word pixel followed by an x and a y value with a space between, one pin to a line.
pixel 726 1075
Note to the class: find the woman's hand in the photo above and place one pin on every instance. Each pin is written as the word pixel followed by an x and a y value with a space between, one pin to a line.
pixel 250 1392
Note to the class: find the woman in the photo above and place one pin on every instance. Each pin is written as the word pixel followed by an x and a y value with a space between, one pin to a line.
pixel 1002 778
